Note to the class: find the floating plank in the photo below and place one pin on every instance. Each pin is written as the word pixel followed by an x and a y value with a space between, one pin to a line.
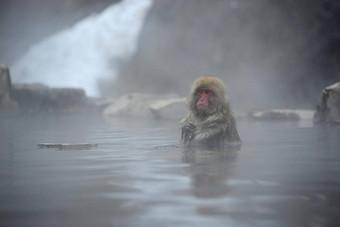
pixel 67 146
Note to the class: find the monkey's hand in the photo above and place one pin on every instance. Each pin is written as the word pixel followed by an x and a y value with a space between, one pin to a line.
pixel 188 132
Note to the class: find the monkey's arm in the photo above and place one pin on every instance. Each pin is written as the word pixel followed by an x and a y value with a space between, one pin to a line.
pixel 188 132
pixel 233 135
pixel 191 134
pixel 207 134
pixel 212 128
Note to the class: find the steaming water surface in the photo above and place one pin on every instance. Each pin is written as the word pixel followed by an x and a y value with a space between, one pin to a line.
pixel 285 174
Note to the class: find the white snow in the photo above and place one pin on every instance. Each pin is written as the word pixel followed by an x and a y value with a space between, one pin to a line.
pixel 79 56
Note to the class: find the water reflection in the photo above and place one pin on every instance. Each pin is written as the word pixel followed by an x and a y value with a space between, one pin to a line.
pixel 210 170
pixel 329 136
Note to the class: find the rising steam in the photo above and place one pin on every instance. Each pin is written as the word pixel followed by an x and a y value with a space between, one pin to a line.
pixel 79 56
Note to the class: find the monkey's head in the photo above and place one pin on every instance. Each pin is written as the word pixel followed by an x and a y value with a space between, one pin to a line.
pixel 207 95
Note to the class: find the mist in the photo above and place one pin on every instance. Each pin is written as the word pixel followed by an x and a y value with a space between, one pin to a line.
pixel 270 54
pixel 86 52
pixel 26 23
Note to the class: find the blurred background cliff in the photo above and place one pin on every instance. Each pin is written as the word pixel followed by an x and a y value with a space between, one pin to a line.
pixel 270 54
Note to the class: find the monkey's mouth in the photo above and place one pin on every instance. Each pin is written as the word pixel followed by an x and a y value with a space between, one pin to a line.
pixel 203 106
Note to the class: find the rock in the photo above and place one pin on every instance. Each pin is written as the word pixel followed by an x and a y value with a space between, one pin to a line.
pixel 147 106
pixel 132 105
pixel 34 98
pixel 328 109
pixel 6 101
pixel 67 99
pixel 31 97
pixel 169 108
pixel 282 114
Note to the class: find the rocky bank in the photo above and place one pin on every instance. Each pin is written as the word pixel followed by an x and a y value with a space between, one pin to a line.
pixel 37 98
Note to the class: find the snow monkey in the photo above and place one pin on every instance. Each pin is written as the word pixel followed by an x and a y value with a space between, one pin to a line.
pixel 210 121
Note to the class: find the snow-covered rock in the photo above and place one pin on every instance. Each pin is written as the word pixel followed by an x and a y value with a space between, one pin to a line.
pixel 147 106
pixel 282 114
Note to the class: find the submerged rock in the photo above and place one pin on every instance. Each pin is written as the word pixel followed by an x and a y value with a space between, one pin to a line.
pixel 68 146
pixel 328 109
pixel 6 100
pixel 147 106
pixel 282 114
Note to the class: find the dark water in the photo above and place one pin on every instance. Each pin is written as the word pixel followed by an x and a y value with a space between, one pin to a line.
pixel 285 174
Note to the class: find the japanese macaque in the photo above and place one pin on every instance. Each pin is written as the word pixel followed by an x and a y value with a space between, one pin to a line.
pixel 210 121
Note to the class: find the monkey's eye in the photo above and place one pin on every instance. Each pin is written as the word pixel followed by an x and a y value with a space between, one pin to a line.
pixel 206 91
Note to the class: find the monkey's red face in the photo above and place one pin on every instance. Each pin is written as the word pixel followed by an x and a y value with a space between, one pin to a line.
pixel 203 95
